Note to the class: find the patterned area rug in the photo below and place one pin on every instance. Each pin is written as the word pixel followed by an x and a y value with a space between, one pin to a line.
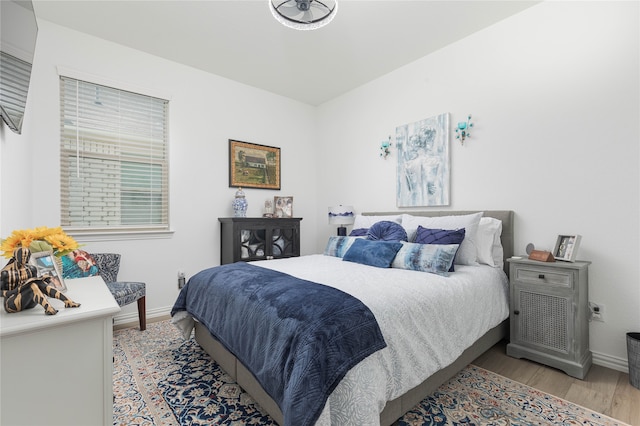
pixel 162 380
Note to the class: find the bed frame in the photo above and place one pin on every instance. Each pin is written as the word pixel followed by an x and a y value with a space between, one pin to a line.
pixel 396 408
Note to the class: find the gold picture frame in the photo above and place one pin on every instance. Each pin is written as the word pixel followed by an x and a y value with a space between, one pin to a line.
pixel 253 166
pixel 46 264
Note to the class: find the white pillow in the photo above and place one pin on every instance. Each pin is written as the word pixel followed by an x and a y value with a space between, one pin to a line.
pixel 467 253
pixel 367 221
pixel 490 251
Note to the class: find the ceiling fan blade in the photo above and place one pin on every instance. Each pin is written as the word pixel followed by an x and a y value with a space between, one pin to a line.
pixel 317 10
pixel 290 10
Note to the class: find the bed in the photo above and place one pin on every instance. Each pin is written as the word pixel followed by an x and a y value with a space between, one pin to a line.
pixel 426 342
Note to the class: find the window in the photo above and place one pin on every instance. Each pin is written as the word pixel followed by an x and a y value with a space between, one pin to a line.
pixel 14 79
pixel 113 159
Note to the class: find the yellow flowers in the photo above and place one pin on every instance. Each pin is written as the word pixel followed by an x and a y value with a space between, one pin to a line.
pixel 39 239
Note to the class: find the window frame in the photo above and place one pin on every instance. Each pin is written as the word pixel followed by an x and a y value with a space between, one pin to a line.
pixel 120 231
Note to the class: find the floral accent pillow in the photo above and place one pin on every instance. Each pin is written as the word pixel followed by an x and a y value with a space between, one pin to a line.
pixel 78 264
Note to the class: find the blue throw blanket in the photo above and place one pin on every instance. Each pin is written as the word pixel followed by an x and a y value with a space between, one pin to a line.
pixel 298 338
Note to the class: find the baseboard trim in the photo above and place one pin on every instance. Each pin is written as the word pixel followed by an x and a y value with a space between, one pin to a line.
pixel 612 362
pixel 132 318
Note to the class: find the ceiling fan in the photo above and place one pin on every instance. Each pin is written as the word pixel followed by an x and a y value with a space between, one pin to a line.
pixel 304 14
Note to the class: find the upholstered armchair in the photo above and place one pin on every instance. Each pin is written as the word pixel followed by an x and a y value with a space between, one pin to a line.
pixel 124 292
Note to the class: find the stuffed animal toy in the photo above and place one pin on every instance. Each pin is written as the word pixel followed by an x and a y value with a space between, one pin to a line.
pixel 23 289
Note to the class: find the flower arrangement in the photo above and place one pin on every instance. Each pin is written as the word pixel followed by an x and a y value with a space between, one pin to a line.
pixel 39 239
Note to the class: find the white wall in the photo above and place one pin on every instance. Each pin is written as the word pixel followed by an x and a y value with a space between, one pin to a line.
pixel 205 111
pixel 554 95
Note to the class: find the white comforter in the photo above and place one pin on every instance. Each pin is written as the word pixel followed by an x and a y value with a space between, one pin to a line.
pixel 427 321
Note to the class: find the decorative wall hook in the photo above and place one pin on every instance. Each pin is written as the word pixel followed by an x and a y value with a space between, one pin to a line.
pixel 462 131
pixel 385 148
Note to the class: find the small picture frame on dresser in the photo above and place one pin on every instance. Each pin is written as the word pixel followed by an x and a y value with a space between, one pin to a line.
pixel 566 247
pixel 46 264
pixel 283 206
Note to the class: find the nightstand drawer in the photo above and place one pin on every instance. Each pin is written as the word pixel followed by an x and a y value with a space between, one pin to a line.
pixel 544 276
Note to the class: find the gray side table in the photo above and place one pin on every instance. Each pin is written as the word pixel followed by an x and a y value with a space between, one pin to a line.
pixel 549 320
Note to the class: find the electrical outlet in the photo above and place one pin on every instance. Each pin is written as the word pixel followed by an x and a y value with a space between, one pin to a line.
pixel 180 279
pixel 597 312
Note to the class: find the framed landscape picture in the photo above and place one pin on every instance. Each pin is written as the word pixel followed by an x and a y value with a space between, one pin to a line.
pixel 46 264
pixel 253 166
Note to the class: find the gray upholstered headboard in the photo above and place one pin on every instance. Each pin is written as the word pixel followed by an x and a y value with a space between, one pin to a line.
pixel 506 216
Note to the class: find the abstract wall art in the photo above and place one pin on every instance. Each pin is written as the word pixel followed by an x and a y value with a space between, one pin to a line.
pixel 423 162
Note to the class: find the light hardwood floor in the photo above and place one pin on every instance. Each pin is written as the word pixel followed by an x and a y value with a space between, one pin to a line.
pixel 603 390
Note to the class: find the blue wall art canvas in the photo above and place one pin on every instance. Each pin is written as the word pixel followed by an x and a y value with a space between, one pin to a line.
pixel 423 162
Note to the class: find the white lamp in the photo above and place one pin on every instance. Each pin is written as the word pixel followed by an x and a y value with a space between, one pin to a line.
pixel 341 215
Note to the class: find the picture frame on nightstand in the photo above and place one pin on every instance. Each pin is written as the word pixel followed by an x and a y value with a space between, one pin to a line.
pixel 46 264
pixel 566 247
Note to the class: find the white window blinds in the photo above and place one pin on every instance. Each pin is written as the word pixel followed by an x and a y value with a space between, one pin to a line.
pixel 113 158
pixel 14 83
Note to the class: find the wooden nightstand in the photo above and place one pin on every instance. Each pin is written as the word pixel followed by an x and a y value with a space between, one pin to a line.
pixel 258 238
pixel 550 314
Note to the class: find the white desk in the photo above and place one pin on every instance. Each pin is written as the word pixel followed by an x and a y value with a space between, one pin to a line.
pixel 58 369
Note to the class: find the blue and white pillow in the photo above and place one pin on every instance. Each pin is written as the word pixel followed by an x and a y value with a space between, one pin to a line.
pixel 337 246
pixel 434 258
pixel 440 236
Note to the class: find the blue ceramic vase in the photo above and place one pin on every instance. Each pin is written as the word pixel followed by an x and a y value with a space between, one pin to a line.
pixel 240 204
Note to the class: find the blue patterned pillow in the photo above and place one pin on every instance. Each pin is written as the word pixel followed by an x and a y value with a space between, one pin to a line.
pixel 373 253
pixel 337 246
pixel 440 236
pixel 387 231
pixel 360 232
pixel 434 258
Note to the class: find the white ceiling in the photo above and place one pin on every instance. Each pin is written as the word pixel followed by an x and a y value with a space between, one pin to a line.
pixel 240 40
